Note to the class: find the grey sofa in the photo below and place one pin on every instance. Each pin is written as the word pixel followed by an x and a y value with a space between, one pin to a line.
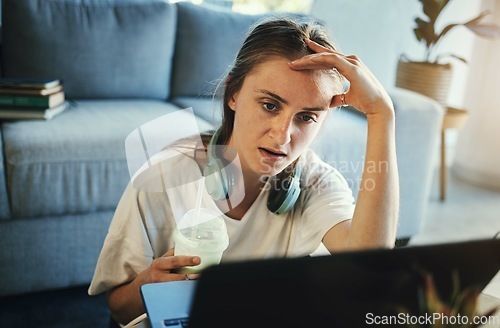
pixel 124 63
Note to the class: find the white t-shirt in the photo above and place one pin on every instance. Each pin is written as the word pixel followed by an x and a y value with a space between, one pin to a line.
pixel 144 221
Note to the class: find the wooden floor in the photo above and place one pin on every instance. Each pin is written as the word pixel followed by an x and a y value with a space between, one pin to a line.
pixel 467 213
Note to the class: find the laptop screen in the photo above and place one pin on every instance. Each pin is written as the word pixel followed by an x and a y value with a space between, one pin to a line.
pixel 341 290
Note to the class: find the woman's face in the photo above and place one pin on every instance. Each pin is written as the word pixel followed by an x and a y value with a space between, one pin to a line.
pixel 278 112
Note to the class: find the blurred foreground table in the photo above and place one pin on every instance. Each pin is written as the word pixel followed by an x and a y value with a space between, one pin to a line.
pixel 486 303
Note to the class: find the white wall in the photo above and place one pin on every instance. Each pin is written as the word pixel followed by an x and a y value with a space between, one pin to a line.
pixel 478 149
pixel 379 31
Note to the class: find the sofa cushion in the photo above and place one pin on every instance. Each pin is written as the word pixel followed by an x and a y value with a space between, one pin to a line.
pixel 75 163
pixel 204 107
pixel 100 49
pixel 205 35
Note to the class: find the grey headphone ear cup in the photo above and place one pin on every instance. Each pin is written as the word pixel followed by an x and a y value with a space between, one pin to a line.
pixel 282 200
pixel 216 181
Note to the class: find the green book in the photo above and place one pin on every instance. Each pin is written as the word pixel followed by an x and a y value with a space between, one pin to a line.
pixel 29 92
pixel 28 83
pixel 23 113
pixel 48 101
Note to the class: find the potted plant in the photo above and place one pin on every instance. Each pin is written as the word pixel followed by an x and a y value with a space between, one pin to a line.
pixel 459 310
pixel 432 76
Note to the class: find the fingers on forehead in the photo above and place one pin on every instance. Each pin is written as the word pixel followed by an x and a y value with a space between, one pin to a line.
pixel 332 60
pixel 316 61
pixel 314 46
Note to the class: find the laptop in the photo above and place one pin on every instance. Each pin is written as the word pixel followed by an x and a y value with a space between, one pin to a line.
pixel 343 290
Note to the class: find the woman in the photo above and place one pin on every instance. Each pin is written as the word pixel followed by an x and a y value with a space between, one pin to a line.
pixel 286 78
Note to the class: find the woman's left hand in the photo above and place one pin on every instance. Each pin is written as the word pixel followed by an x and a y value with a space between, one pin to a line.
pixel 365 92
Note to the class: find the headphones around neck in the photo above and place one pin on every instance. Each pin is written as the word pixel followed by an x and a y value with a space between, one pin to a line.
pixel 219 182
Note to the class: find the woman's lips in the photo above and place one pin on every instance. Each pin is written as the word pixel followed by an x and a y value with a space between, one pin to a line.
pixel 272 154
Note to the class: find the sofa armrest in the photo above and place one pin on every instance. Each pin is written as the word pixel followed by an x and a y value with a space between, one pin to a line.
pixel 418 125
pixel 4 199
pixel 1 48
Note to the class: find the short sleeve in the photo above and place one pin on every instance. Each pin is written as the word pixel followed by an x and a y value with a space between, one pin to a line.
pixel 325 201
pixel 128 249
pixel 144 221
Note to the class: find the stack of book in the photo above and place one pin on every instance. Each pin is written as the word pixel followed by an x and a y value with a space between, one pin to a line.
pixel 31 98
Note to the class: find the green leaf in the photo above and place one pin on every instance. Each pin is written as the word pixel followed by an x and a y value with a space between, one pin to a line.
pixel 444 31
pixel 455 278
pixel 466 304
pixel 432 299
pixel 463 60
pixel 478 18
pixel 418 34
pixel 485 30
pixel 426 31
pixel 432 8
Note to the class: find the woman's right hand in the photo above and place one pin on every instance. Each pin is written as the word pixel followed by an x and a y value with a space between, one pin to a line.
pixel 164 268
pixel 125 301
pixel 365 92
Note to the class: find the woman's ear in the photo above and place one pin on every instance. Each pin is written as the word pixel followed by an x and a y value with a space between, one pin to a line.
pixel 232 102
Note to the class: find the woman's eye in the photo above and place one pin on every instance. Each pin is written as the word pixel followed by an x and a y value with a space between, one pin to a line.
pixel 308 118
pixel 269 106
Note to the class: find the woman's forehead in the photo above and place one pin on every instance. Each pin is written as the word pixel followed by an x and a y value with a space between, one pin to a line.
pixel 276 75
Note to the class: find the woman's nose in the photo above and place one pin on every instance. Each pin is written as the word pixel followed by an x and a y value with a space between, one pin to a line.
pixel 281 131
